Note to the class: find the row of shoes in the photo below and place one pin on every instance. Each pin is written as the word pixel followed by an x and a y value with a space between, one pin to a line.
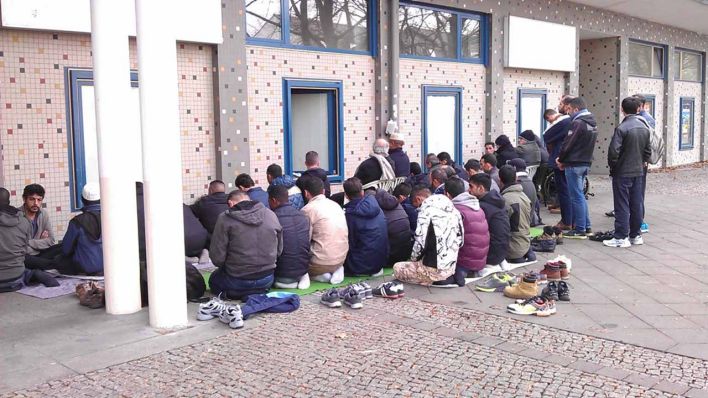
pixel 355 294
pixel 227 313
pixel 547 241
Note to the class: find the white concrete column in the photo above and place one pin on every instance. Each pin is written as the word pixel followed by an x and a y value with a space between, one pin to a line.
pixel 162 162
pixel 111 73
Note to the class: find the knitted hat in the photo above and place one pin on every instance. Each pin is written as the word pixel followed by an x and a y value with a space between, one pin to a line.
pixel 518 163
pixel 528 135
pixel 91 192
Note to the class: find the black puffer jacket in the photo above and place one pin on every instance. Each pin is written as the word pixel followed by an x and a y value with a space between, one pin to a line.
pixel 400 237
pixel 630 148
pixel 499 229
pixel 208 208
pixel 578 147
pixel 294 261
pixel 318 173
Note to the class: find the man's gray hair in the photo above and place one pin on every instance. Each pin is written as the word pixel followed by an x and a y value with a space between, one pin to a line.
pixel 380 147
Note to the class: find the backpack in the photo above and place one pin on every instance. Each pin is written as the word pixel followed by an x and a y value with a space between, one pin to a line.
pixel 656 141
pixel 196 286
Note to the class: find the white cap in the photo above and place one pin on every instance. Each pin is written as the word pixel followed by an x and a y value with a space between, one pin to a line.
pixel 91 192
pixel 397 137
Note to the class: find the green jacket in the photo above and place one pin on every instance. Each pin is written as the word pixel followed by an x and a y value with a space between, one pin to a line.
pixel 518 207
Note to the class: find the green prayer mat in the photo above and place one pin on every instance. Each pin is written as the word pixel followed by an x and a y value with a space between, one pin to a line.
pixel 536 231
pixel 319 286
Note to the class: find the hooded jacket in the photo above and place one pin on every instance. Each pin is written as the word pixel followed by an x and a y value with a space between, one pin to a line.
pixel 294 194
pixel 554 138
pixel 368 237
pixel 630 148
pixel 209 207
pixel 44 223
pixel 578 147
pixel 475 247
pixel 412 213
pixel 15 233
pixel 527 186
pixel 518 209
pixel 83 241
pixel 400 237
pixel 247 241
pixel 401 162
pixel 530 152
pixel 498 222
pixel 505 151
pixel 294 261
pixel 257 194
pixel 195 235
pixel 330 237
pixel 317 173
pixel 370 170
pixel 438 236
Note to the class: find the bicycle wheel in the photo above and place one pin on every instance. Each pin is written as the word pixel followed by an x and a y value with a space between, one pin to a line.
pixel 548 189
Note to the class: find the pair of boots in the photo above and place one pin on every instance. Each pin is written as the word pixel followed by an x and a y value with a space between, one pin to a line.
pixel 556 271
pixel 525 289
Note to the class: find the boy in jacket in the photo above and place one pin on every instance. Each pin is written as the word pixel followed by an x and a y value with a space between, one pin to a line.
pixel 293 263
pixel 368 232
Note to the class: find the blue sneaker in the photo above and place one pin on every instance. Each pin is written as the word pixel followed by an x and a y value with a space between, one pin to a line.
pixel 644 228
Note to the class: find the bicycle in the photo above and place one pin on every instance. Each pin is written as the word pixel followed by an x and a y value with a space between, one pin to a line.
pixel 549 192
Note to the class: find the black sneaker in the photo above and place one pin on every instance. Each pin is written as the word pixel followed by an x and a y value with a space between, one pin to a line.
pixel 563 291
pixel 352 298
pixel 610 213
pixel 588 231
pixel 550 292
pixel 543 246
pixel 331 298
pixel 392 290
pixel 575 235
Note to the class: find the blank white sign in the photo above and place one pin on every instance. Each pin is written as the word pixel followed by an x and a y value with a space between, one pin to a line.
pixel 440 123
pixel 533 44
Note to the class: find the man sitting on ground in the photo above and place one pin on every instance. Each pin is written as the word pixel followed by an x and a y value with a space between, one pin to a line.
pixel 245 183
pixel 368 232
pixel 431 162
pixel 403 193
pixel 196 237
pixel 400 242
pixel 518 208
pixel 446 159
pixel 437 241
pixel 83 244
pixel 379 166
pixel 209 207
pixel 275 176
pixel 522 177
pixel 293 263
pixel 438 176
pixel 15 233
pixel 330 237
pixel 43 252
pixel 245 246
pixel 472 256
pixel 497 220
pixel 312 162
pixel 489 165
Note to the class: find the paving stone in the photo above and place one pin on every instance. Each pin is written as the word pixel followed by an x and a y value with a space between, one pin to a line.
pixel 671 388
pixel 585 366
pixel 696 393
pixel 642 380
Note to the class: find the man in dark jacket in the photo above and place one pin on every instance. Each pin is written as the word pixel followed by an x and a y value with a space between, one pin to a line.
pixel 245 183
pixel 368 232
pixel 401 162
pixel 275 176
pixel 554 137
pixel 15 233
pixel 208 207
pixel 196 236
pixel 400 237
pixel 431 161
pixel 379 165
pixel 505 151
pixel 488 162
pixel 629 152
pixel 497 220
pixel 446 160
pixel 293 263
pixel 575 158
pixel 82 245
pixel 403 193
pixel 245 246
pixel 312 162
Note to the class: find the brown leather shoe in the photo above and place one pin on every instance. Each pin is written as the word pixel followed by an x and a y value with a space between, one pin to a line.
pixel 564 227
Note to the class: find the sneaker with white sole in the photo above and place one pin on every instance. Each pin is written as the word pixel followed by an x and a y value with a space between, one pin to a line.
pixel 614 242
pixel 644 228
pixel 211 309
pixel 368 294
pixel 538 305
pixel 232 316
pixel 331 298
pixel 636 241
pixel 351 297
pixel 391 290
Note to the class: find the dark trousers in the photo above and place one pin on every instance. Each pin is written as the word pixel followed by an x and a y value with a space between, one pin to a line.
pixel 644 190
pixel 48 258
pixel 563 197
pixel 628 195
pixel 457 278
pixel 236 288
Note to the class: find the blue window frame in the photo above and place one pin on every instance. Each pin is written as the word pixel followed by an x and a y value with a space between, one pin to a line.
pixel 75 80
pixel 281 29
pixel 651 104
pixel 442 126
pixel 466 41
pixel 686 122
pixel 531 119
pixel 688 65
pixel 320 96
pixel 647 59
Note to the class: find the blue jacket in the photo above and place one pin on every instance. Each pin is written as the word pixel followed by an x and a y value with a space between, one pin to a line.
pixel 294 261
pixel 554 137
pixel 288 182
pixel 649 118
pixel 83 240
pixel 412 213
pixel 368 237
pixel 401 163
pixel 257 194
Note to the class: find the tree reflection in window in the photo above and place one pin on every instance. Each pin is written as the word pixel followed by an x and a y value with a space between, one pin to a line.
pixel 341 24
pixel 263 19
pixel 427 33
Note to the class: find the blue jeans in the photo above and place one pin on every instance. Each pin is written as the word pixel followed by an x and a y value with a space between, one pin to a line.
pixel 628 195
pixel 575 176
pixel 563 198
pixel 237 288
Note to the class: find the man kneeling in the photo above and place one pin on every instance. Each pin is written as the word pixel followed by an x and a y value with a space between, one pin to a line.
pixel 246 243
pixel 437 240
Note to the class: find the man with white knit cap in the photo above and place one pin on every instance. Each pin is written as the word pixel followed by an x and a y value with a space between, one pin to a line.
pixel 83 245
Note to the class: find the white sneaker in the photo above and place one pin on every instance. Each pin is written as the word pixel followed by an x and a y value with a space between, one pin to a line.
pixel 614 242
pixel 232 316
pixel 204 257
pixel 211 309
pixel 637 241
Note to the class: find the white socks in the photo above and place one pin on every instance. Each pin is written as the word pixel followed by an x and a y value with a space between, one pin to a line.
pixel 324 278
pixel 337 276
pixel 304 282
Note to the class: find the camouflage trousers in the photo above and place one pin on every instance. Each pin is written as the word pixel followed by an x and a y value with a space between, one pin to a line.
pixel 417 273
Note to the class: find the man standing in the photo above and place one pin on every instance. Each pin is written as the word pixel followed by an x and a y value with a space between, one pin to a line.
pixel 401 163
pixel 82 245
pixel 245 246
pixel 209 207
pixel 293 263
pixel 42 251
pixel 554 136
pixel 245 183
pixel 656 156
pixel 368 232
pixel 379 166
pixel 629 152
pixel 15 233
pixel 643 110
pixel 575 158
pixel 312 162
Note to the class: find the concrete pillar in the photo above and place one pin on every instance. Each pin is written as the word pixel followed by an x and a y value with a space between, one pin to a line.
pixel 494 121
pixel 111 67
pixel 572 82
pixel 162 164
pixel 394 58
pixel 622 74
pixel 671 131
pixel 382 68
pixel 704 114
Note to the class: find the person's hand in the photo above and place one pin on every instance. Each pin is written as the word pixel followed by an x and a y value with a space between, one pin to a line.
pixel 560 165
pixel 44 235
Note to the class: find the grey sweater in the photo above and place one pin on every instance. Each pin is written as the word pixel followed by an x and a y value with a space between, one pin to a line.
pixel 15 232
pixel 44 223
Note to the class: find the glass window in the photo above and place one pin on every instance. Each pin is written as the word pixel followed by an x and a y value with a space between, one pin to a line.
pixel 442 110
pixel 263 19
pixel 646 60
pixel 427 33
pixel 688 66
pixel 471 38
pixel 686 118
pixel 341 24
pixel 532 104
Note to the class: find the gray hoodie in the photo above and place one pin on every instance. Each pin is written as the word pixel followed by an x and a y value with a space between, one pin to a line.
pixel 247 241
pixel 15 232
pixel 465 199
